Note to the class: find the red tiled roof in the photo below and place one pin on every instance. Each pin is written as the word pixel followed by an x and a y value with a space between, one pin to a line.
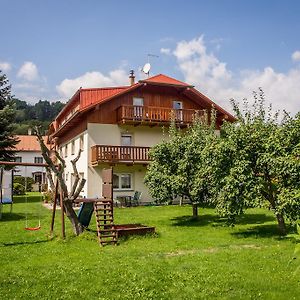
pixel 163 79
pixel 28 143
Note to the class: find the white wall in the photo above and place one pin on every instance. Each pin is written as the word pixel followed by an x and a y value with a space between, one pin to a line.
pixel 82 163
pixel 110 134
pixel 28 157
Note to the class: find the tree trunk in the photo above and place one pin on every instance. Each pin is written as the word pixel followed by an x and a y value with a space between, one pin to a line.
pixel 195 210
pixel 281 224
pixel 77 228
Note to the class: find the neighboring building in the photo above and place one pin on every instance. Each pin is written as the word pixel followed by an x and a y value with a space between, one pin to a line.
pixel 28 151
pixel 117 126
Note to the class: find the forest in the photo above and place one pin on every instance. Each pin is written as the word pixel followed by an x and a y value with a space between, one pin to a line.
pixel 30 115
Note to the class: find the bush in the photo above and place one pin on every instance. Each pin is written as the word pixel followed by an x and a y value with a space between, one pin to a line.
pixel 18 189
pixel 21 180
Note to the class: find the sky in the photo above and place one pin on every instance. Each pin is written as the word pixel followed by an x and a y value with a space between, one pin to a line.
pixel 226 48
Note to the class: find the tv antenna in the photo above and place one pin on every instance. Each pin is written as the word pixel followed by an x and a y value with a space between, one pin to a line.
pixel 147 67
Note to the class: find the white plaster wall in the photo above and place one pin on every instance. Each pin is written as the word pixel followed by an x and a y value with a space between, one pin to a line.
pixel 28 157
pixel 110 134
pixel 82 163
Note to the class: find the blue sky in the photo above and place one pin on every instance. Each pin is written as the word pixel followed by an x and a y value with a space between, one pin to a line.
pixel 226 48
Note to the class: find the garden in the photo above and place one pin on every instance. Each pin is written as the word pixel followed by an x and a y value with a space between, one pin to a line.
pixel 187 258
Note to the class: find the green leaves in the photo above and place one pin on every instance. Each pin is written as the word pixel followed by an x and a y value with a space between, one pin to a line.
pixel 181 166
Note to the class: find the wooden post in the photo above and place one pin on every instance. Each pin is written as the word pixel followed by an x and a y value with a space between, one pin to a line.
pixel 63 229
pixel 54 208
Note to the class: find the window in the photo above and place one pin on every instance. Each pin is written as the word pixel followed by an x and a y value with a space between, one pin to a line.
pixel 81 174
pixel 38 160
pixel 122 181
pixel 138 101
pixel 81 142
pixel 18 159
pixel 73 147
pixel 66 150
pixel 126 139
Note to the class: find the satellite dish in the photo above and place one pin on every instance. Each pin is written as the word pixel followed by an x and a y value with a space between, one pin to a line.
pixel 146 68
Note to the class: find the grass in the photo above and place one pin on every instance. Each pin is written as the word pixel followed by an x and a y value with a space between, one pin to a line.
pixel 186 259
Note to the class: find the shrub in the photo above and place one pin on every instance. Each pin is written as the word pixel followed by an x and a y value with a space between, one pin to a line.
pixel 18 189
pixel 21 180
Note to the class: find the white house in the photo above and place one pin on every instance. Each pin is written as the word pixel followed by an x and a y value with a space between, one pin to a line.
pixel 28 151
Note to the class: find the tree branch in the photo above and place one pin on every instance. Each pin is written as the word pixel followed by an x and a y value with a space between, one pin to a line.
pixel 76 175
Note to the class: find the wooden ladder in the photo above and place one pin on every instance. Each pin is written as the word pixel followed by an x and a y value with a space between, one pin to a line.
pixel 105 222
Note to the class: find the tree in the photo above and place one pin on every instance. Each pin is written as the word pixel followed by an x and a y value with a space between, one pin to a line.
pixel 57 166
pixel 259 163
pixel 180 166
pixel 7 116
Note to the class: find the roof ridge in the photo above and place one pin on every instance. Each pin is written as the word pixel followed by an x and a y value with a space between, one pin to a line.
pixel 162 78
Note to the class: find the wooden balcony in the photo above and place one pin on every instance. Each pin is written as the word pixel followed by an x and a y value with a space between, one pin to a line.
pixel 119 154
pixel 148 115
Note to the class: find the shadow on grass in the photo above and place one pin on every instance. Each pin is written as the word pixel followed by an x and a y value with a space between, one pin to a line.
pixel 23 243
pixel 27 199
pixel 7 216
pixel 266 231
pixel 203 220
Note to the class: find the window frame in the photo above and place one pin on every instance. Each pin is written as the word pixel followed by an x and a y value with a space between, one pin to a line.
pixel 18 159
pixel 38 160
pixel 119 188
pixel 66 150
pixel 73 147
pixel 81 142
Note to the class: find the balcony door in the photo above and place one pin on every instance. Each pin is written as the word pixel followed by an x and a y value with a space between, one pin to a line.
pixel 138 104
pixel 126 142
pixel 178 106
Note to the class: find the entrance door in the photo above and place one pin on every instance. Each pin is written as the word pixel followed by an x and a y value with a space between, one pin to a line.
pixel 177 105
pixel 138 104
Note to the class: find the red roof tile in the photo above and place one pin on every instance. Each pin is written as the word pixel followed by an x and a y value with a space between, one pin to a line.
pixel 28 143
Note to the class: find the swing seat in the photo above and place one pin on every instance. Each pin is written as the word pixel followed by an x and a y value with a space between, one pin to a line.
pixel 32 228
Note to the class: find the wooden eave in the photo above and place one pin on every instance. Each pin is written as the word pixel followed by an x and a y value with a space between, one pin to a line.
pixel 70 123
pixel 68 104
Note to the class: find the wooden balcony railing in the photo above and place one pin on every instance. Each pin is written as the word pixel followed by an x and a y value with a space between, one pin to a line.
pixel 114 154
pixel 138 114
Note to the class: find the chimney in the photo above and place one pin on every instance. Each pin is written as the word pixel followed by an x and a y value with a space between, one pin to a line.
pixel 131 77
pixel 29 131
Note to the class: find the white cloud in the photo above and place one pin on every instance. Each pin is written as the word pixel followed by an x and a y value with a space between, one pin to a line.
pixel 166 51
pixel 212 77
pixel 91 80
pixel 296 56
pixel 5 66
pixel 28 71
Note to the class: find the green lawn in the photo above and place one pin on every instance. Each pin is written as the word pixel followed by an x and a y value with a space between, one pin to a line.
pixel 187 259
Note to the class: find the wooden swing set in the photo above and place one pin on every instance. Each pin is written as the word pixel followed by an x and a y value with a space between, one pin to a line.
pixel 16 164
